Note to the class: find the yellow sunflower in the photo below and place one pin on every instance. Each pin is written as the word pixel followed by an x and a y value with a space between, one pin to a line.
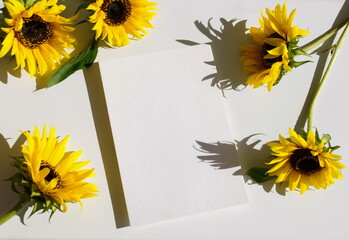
pixel 271 55
pixel 55 175
pixel 115 20
pixel 37 35
pixel 303 162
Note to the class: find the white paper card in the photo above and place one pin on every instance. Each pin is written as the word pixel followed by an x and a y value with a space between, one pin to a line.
pixel 171 134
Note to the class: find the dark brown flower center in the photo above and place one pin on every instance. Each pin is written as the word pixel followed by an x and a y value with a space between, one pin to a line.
pixel 304 162
pixel 52 174
pixel 266 47
pixel 117 11
pixel 35 31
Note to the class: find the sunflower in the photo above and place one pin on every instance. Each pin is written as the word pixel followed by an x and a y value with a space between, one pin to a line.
pixel 37 35
pixel 304 161
pixel 115 20
pixel 271 56
pixel 54 175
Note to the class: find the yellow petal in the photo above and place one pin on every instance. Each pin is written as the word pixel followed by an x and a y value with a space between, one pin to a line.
pixel 7 43
pixel 294 180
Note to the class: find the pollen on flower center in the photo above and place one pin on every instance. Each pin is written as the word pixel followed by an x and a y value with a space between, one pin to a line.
pixel 117 11
pixel 266 47
pixel 304 162
pixel 35 31
pixel 52 174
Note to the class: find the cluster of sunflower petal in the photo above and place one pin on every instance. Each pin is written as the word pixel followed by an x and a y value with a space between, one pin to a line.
pixel 305 159
pixel 272 54
pixel 49 177
pixel 35 33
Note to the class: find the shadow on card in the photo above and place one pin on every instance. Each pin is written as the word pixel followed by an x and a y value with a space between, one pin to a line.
pixel 225 42
pixel 244 153
pixel 106 144
pixel 251 154
pixel 220 155
pixel 8 198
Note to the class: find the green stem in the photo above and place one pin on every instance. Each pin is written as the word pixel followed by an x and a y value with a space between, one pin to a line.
pixel 18 207
pixel 322 38
pixel 336 48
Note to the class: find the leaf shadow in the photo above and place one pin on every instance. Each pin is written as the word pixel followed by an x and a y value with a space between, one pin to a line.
pixel 242 155
pixel 225 42
pixel 220 155
pixel 250 155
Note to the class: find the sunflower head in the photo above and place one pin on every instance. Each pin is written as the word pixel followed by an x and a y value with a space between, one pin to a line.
pixel 118 20
pixel 36 35
pixel 49 175
pixel 275 45
pixel 305 160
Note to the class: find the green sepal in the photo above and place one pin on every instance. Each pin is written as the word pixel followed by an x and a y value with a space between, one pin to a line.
pixel 327 141
pixel 282 73
pixel 35 192
pixel 28 3
pixel 23 185
pixel 304 134
pixel 294 64
pixel 335 147
pixel 300 51
pixel 37 206
pixel 326 138
pixel 81 61
pixel 293 43
pixel 259 175
pixel 20 182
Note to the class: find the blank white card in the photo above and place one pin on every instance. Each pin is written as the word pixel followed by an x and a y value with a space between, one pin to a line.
pixel 172 137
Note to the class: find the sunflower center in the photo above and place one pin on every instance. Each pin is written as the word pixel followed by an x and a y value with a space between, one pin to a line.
pixel 266 47
pixel 35 31
pixel 304 162
pixel 117 11
pixel 52 174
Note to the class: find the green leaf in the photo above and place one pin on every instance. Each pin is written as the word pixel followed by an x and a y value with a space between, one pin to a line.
pixel 81 61
pixel 81 22
pixel 259 174
pixel 84 5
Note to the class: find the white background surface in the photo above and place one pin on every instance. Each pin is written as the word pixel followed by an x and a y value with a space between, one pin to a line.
pixel 270 213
